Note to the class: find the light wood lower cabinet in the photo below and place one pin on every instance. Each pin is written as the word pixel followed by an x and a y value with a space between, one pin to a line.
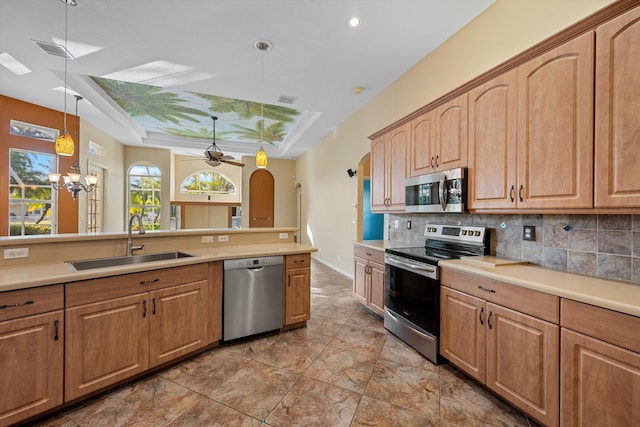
pixel 509 349
pixel 31 353
pixel 600 367
pixel 297 289
pixel 368 278
pixel 159 316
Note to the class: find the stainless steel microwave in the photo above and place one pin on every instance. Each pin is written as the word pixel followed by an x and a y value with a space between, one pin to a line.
pixel 444 191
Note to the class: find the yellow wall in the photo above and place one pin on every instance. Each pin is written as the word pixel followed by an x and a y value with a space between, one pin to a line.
pixel 112 162
pixel 502 31
pixel 187 165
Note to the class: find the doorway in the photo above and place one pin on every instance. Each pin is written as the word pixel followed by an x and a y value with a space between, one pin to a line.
pixel 261 193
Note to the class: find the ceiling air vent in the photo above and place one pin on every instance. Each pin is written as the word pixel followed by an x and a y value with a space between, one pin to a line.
pixel 54 49
pixel 286 99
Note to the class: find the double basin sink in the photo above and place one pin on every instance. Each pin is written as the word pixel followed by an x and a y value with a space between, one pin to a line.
pixel 89 264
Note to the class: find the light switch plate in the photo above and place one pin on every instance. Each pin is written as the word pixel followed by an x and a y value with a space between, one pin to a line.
pixel 223 238
pixel 207 239
pixel 14 253
pixel 283 235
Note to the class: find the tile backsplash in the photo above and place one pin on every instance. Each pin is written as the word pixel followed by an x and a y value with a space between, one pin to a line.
pixel 606 246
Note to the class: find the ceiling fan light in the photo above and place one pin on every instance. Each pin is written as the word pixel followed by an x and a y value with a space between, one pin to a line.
pixel 261 159
pixel 64 144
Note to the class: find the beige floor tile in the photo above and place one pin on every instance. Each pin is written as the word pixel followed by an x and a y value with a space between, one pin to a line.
pixel 315 403
pixel 343 368
pixel 405 386
pixel 376 413
pixel 213 414
pixel 255 389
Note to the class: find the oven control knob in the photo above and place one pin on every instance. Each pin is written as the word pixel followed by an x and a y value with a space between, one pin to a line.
pixel 477 233
pixel 464 232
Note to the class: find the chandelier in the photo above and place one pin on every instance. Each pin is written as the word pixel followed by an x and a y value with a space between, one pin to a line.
pixel 71 181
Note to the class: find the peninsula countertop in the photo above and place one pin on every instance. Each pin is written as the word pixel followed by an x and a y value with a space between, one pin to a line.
pixel 23 277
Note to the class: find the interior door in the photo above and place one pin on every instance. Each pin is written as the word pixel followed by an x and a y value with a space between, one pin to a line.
pixel 261 199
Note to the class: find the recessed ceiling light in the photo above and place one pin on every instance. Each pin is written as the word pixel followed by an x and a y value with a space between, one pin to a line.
pixel 353 22
pixel 358 90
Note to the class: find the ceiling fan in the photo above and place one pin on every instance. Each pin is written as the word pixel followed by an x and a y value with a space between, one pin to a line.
pixel 214 156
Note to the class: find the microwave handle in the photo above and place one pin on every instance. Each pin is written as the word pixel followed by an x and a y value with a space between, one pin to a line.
pixel 442 193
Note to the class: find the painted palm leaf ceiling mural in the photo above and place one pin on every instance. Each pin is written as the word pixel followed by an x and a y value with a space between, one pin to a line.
pixel 188 114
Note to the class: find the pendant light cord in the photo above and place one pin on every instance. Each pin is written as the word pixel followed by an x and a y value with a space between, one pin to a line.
pixel 66 56
pixel 262 93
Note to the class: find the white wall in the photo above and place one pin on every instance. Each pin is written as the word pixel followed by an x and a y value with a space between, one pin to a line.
pixel 502 31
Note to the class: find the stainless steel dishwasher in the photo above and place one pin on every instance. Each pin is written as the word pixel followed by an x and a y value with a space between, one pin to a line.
pixel 252 296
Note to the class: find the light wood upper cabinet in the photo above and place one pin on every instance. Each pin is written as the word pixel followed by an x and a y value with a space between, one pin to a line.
pixel 618 112
pixel 493 124
pixel 389 169
pixel 452 134
pixel 439 139
pixel 555 127
pixel 423 144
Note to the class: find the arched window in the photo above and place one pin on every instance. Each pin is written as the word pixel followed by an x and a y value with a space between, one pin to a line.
pixel 145 185
pixel 207 182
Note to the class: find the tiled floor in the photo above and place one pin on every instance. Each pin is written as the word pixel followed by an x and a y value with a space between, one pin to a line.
pixel 343 369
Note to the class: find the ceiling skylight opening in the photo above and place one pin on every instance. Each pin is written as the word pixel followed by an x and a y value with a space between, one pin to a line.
pixel 13 65
pixel 149 72
pixel 353 22
pixel 77 49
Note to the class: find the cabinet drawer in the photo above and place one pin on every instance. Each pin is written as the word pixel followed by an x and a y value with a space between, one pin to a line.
pixel 534 303
pixel 607 325
pixel 369 254
pixel 25 302
pixel 298 261
pixel 93 290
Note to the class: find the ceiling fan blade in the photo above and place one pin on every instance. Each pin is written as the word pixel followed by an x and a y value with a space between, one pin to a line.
pixel 231 162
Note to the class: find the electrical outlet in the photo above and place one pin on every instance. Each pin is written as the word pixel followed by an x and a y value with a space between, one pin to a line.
pixel 528 233
pixel 395 223
pixel 408 224
pixel 223 238
pixel 207 239
pixel 283 236
pixel 14 253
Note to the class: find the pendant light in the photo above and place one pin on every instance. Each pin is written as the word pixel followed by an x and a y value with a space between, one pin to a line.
pixel 72 181
pixel 261 156
pixel 64 142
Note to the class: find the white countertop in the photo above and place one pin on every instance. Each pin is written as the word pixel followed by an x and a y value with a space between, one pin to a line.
pixel 619 296
pixel 22 277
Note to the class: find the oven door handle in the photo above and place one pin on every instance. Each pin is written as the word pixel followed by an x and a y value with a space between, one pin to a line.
pixel 390 259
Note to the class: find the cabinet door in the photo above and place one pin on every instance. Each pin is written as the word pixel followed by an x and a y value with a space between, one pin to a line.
pixel 617 112
pixel 555 127
pixel 423 131
pixel 397 166
pixel 178 321
pixel 106 342
pixel 378 174
pixel 375 300
pixel 522 362
pixel 297 296
pixel 31 355
pixel 452 133
pixel 493 121
pixel 360 277
pixel 600 383
pixel 462 332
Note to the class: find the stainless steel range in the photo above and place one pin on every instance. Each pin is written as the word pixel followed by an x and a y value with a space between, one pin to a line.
pixel 412 283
